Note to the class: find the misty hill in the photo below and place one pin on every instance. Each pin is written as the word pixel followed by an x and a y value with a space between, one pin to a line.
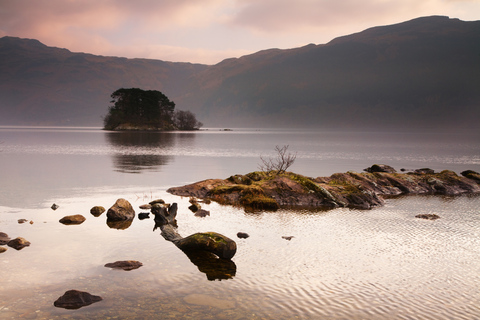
pixel 42 85
pixel 422 73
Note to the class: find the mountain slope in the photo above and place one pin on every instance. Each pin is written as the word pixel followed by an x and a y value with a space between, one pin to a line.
pixel 422 73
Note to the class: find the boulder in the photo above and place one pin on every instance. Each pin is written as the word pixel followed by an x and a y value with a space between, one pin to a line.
pixel 74 219
pixel 18 243
pixel 74 299
pixel 97 211
pixel 470 174
pixel 213 242
pixel 121 210
pixel 4 238
pixel 126 265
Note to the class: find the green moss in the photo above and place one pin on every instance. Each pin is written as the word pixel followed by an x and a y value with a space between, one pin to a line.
pixel 305 182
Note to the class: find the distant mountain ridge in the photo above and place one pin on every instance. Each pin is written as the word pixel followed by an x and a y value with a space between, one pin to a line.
pixel 423 73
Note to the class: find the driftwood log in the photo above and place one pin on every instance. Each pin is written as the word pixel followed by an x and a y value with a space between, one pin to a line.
pixel 165 219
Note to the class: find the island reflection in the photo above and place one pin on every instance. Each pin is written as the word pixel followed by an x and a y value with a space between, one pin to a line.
pixel 136 151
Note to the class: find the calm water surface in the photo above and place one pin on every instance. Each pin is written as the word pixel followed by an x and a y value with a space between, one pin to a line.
pixel 340 264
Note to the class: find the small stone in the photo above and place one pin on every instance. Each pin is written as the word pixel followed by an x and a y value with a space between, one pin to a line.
pixel 74 299
pixel 18 243
pixel 125 265
pixel 3 249
pixel 4 238
pixel 145 206
pixel 143 215
pixel 54 206
pixel 288 237
pixel 242 235
pixel 97 211
pixel 75 219
pixel 22 221
pixel 202 213
pixel 428 216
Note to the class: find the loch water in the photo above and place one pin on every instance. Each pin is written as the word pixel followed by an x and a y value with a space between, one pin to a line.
pixel 339 264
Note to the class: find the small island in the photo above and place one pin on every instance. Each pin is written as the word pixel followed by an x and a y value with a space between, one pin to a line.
pixel 137 109
pixel 271 190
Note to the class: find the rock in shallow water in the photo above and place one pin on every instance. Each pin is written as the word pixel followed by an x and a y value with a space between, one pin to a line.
pixel 18 243
pixel 126 265
pixel 428 216
pixel 97 211
pixel 121 210
pixel 74 299
pixel 4 238
pixel 74 219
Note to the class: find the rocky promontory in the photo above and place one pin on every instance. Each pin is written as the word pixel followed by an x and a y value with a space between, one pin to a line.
pixel 270 190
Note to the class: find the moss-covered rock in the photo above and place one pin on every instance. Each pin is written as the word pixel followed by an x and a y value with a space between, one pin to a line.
pixel 264 191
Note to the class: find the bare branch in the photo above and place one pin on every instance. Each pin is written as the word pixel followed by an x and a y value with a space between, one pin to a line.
pixel 281 163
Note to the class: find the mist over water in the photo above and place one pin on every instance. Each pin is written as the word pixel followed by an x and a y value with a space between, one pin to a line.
pixel 339 264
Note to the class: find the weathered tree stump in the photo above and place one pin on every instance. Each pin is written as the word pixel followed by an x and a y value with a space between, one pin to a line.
pixel 213 242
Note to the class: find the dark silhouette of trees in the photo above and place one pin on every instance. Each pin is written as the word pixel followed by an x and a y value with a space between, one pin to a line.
pixel 186 120
pixel 139 108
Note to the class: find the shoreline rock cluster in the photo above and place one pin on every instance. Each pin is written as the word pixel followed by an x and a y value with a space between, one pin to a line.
pixel 270 191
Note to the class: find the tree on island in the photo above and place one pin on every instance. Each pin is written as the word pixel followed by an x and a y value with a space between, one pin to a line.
pixel 137 109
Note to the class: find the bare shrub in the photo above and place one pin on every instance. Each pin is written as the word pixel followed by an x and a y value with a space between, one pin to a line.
pixel 280 163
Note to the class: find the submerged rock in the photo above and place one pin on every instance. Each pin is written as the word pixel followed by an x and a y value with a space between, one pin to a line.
pixel 18 243
pixel 121 210
pixel 97 211
pixel 202 213
pixel 74 219
pixel 205 300
pixel 74 299
pixel 126 265
pixel 427 216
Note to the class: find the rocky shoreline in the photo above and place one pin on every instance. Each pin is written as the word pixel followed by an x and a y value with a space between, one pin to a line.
pixel 270 191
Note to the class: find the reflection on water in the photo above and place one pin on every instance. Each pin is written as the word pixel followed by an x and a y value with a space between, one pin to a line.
pixel 138 151
pixel 340 264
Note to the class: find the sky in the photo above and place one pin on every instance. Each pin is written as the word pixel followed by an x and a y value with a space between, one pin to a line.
pixel 207 31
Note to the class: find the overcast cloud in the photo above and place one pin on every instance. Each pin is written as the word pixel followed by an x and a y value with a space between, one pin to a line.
pixel 207 31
